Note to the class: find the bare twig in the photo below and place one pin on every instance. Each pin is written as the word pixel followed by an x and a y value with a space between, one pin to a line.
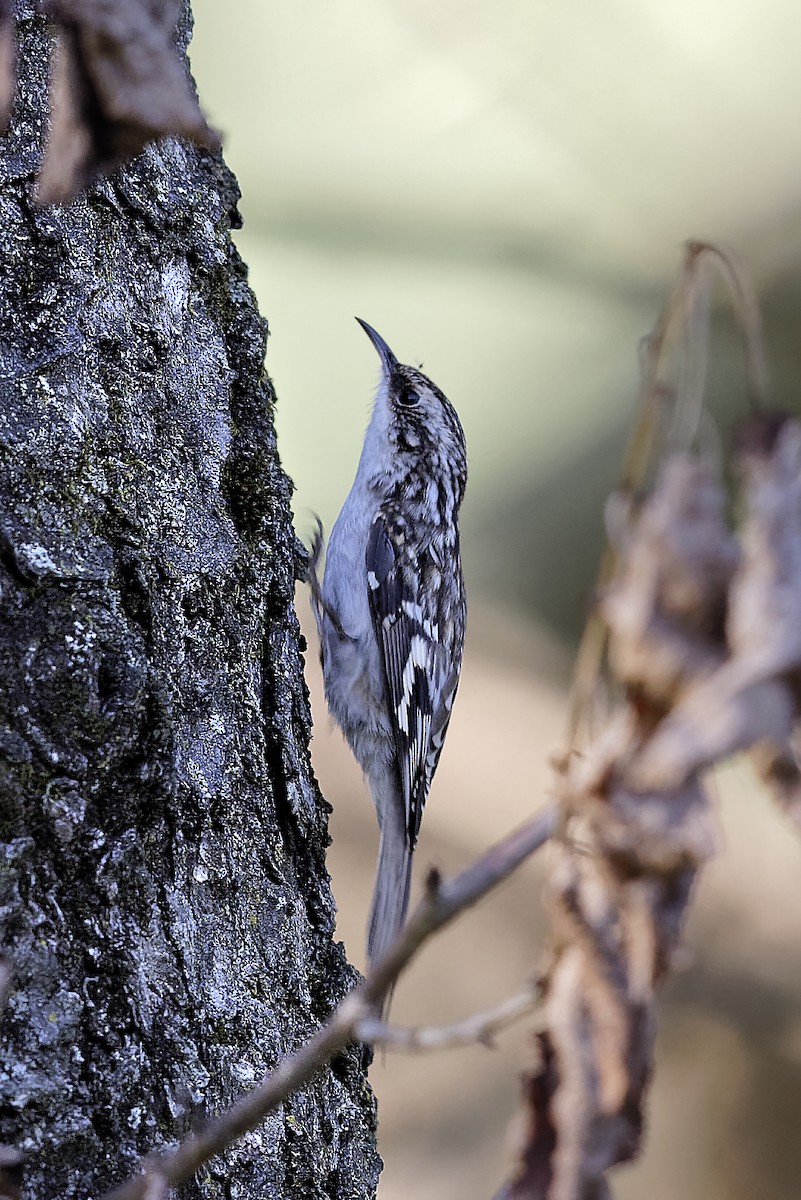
pixel 749 318
pixel 441 904
pixel 478 1029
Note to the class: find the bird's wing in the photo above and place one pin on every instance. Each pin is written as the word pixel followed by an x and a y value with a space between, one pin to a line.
pixel 420 681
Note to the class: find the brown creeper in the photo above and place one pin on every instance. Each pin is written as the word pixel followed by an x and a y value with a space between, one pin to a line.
pixel 391 614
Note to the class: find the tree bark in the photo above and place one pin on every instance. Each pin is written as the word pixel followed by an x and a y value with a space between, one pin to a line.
pixel 163 890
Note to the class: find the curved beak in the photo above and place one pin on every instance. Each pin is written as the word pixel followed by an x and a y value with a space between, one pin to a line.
pixel 388 360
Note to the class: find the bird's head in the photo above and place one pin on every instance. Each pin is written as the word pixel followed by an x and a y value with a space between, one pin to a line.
pixel 416 418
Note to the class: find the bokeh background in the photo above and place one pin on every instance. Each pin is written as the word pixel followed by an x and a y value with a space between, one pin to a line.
pixel 502 190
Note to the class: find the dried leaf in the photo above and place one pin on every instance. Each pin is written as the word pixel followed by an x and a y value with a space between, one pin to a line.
pixel 118 83
pixel 725 714
pixel 705 638
pixel 70 160
pixel 764 621
pixel 666 603
pixel 535 1137
pixel 771 463
pixel 751 698
pixel 620 885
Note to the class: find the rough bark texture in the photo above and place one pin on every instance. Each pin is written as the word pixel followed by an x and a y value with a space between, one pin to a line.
pixel 163 891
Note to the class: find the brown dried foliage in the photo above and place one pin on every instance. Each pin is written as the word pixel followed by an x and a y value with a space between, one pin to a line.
pixel 703 641
pixel 117 83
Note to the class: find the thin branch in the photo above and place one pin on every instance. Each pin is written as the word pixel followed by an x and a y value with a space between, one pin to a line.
pixel 478 1029
pixel 747 313
pixel 441 904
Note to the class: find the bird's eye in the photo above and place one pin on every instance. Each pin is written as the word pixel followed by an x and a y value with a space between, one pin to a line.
pixel 408 396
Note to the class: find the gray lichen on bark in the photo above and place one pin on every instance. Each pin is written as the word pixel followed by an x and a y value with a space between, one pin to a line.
pixel 162 880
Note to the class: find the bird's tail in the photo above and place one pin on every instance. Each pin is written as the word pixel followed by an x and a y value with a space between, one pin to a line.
pixel 392 880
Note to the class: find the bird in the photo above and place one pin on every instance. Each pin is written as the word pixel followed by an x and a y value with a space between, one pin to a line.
pixel 391 613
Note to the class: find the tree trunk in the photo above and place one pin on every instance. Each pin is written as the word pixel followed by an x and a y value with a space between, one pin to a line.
pixel 163 889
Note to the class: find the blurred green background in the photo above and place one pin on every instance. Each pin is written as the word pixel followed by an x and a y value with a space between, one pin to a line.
pixel 502 190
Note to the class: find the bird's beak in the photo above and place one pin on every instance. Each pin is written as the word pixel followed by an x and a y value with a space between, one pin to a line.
pixel 388 360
